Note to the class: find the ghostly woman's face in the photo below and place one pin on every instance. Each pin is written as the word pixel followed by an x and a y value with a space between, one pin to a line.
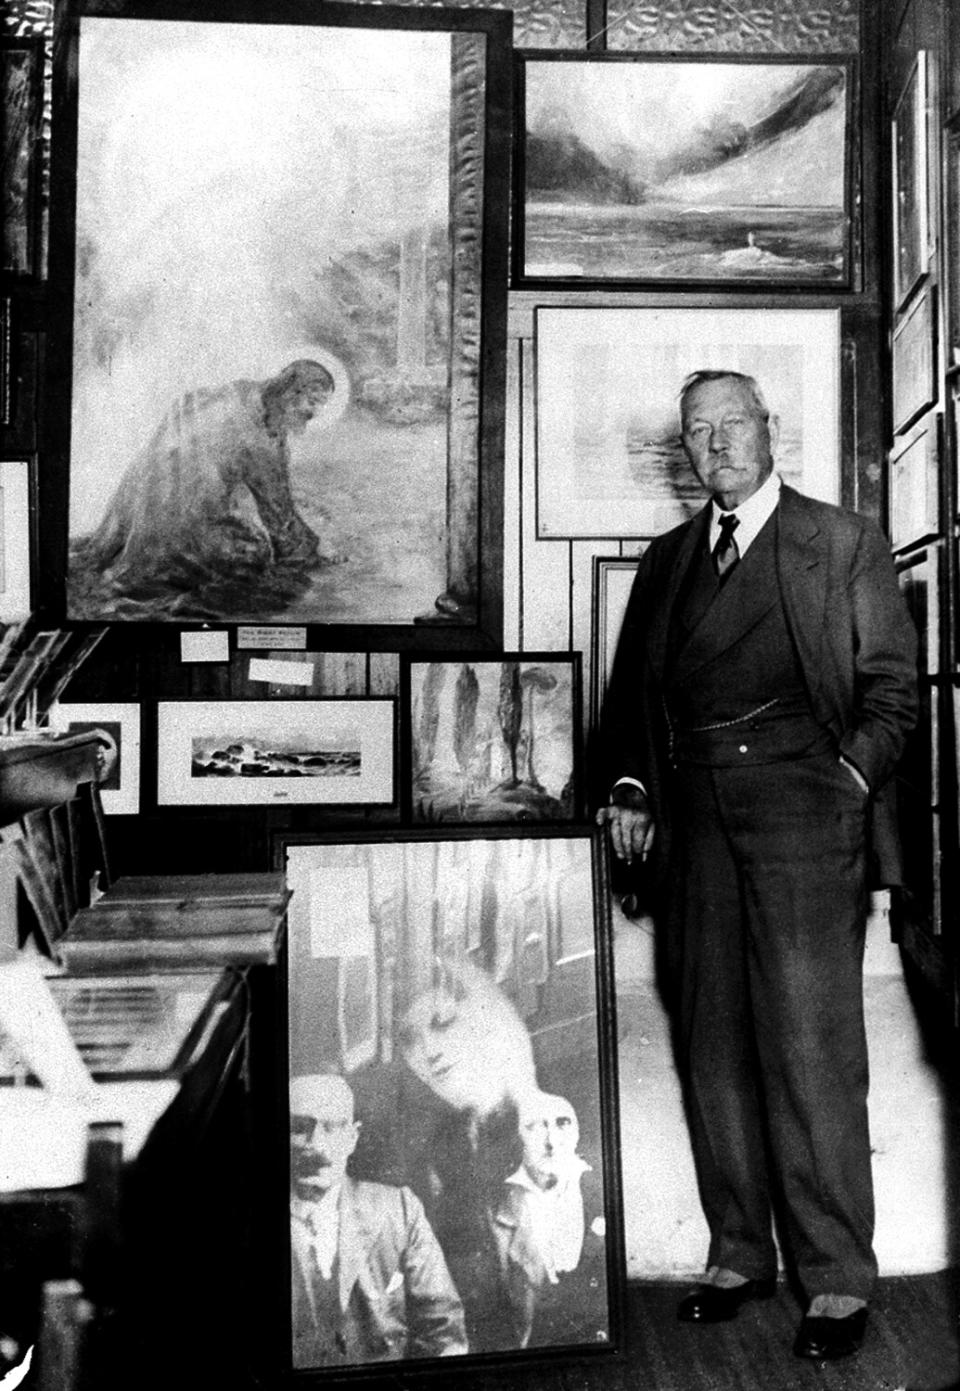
pixel 465 1040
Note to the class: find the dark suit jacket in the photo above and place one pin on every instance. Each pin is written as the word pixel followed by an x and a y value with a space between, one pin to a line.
pixel 852 632
pixel 396 1296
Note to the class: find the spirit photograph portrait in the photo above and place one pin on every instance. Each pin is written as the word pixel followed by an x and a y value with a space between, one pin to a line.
pixel 450 1138
pixel 277 314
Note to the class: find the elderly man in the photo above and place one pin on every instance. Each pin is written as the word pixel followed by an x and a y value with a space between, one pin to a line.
pixel 369 1280
pixel 764 685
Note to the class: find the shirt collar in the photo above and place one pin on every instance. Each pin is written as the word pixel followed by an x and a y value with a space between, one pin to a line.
pixel 753 514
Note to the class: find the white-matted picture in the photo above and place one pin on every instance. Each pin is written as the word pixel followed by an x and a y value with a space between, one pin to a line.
pixel 120 724
pixel 609 458
pixel 14 540
pixel 260 752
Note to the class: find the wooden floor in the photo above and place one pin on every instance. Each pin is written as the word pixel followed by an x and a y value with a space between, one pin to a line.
pixel 912 1341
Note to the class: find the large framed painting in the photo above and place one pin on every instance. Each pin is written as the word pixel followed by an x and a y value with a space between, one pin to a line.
pixel 275 752
pixel 492 739
pixel 119 726
pixel 280 240
pixel 609 458
pixel 636 168
pixel 911 195
pixel 451 1044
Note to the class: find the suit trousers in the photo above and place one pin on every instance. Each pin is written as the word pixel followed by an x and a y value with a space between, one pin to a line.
pixel 769 914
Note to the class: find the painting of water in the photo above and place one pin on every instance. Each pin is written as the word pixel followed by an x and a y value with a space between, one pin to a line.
pixel 684 170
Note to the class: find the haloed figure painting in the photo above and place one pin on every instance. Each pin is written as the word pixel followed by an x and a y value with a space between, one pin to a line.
pixel 263 333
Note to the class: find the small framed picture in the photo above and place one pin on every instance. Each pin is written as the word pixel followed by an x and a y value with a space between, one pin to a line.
pixel 609 460
pixel 911 218
pixel 120 726
pixel 914 347
pixel 914 485
pixel 263 752
pixel 15 536
pixel 919 576
pixel 493 739
pixel 21 76
pixel 451 1054
pixel 613 578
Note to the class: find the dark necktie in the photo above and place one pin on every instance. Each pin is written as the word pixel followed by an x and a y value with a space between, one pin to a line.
pixel 726 552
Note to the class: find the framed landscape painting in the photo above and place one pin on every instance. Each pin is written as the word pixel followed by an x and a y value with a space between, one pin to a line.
pixel 609 458
pixel 267 752
pixel 649 168
pixel 451 1043
pixel 280 239
pixel 493 740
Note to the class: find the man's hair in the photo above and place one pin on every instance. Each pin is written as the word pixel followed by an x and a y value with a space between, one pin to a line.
pixel 696 379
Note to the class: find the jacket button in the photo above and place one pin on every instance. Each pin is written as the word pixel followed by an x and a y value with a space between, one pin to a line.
pixel 743 748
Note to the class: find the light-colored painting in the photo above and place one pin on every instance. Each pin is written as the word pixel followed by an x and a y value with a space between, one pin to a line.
pixel 609 458
pixel 270 375
pixel 494 741
pixel 687 170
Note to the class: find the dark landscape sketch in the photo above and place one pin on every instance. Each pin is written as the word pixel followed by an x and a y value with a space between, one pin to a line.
pixel 251 759
pixel 493 741
pixel 238 752
pixel 609 457
pixel 251 196
pixel 685 171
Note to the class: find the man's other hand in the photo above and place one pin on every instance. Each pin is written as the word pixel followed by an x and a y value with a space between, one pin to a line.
pixel 631 829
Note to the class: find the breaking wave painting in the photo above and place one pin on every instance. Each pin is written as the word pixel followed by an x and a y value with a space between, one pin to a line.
pixel 686 171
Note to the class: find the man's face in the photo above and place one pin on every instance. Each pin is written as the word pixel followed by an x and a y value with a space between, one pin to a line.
pixel 323 1134
pixel 729 444
pixel 549 1134
pixel 301 405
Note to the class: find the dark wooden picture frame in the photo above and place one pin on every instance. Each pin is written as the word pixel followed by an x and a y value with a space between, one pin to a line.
pixel 914 357
pixel 499 941
pixel 911 191
pixel 21 78
pixel 386 272
pixel 620 181
pixel 491 739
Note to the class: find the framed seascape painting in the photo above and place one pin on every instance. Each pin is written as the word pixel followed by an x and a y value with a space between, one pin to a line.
pixel 119 783
pixel 493 740
pixel 265 752
pixel 609 458
pixel 280 239
pixel 648 168
pixel 451 1045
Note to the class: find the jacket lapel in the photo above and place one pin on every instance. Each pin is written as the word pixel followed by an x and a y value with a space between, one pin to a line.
pixel 694 536
pixel 803 573
pixel 354 1242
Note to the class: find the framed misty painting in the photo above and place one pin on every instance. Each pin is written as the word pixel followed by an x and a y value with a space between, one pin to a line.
pixel 636 168
pixel 280 239
pixel 492 740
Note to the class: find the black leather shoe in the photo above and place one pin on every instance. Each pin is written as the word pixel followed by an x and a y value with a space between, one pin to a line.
pixel 711 1304
pixel 826 1339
